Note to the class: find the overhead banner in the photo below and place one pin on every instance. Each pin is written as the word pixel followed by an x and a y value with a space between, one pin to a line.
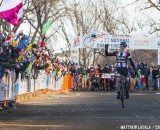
pixel 98 41
pixel 145 43
pixel 91 40
pixel 114 41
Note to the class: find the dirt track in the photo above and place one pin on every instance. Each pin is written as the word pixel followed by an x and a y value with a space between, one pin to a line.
pixel 84 111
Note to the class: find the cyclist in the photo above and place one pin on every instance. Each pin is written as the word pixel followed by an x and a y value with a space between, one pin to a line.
pixel 122 57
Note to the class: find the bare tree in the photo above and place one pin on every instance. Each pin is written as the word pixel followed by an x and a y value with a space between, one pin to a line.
pixel 149 9
pixel 86 16
pixel 40 11
pixel 150 26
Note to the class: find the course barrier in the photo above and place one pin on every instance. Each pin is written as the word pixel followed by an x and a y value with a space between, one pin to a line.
pixel 28 88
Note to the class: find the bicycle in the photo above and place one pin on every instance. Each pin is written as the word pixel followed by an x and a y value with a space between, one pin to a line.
pixel 122 83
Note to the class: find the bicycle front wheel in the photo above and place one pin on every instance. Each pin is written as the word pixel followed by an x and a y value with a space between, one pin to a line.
pixel 122 99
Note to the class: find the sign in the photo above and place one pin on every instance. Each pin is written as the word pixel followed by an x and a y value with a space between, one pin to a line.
pixel 115 41
pixel 107 75
pixel 144 43
pixel 92 40
pixel 99 40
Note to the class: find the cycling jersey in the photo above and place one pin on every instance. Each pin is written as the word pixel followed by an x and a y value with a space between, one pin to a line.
pixel 121 59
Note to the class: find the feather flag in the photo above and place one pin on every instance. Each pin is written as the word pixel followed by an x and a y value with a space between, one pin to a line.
pixel 29 47
pixel 11 11
pixel 46 26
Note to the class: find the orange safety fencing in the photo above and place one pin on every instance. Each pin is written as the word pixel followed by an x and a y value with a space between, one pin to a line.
pixel 67 83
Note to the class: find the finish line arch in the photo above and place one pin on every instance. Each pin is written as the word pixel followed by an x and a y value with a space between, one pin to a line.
pixel 97 40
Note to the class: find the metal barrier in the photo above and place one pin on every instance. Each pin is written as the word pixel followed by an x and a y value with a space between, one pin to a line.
pixel 9 90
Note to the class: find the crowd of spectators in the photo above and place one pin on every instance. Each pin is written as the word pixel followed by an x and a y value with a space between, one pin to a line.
pixel 97 78
pixel 18 54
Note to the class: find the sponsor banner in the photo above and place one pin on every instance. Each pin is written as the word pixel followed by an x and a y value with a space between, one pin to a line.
pixel 104 39
pixel 114 41
pixel 98 41
pixel 91 40
pixel 107 75
pixel 143 43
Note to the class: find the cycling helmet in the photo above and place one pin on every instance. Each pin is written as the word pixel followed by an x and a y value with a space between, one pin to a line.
pixel 123 44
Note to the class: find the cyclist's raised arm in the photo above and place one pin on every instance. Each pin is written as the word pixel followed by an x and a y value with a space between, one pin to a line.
pixel 107 53
pixel 131 62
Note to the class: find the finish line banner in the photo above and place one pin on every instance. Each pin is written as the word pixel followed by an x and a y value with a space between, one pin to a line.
pixel 98 41
pixel 145 43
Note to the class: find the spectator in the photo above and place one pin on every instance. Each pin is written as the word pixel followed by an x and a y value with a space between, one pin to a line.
pixel 154 78
pixel 106 69
pixel 132 78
